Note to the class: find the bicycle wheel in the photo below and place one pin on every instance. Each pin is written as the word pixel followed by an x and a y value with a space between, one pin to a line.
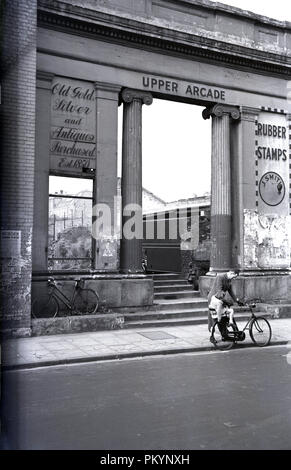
pixel 217 339
pixel 45 307
pixel 86 301
pixel 260 331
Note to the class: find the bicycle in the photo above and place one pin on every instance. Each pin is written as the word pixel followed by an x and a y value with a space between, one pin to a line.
pixel 82 300
pixel 225 335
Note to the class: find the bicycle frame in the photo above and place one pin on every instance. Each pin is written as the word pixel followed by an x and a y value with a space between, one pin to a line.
pixel 60 296
pixel 236 335
pixel 225 335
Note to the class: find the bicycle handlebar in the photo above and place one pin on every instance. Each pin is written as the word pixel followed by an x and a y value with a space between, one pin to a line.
pixel 250 305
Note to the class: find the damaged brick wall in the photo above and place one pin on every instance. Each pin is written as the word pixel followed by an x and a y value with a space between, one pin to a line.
pixel 18 71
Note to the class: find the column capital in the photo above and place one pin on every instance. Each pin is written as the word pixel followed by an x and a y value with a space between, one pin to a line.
pixel 44 79
pixel 107 91
pixel 128 95
pixel 249 113
pixel 218 110
pixel 107 86
pixel 47 76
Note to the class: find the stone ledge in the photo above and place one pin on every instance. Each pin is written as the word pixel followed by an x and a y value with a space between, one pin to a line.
pixel 276 311
pixel 76 324
pixel 263 288
pixel 159 37
pixel 13 333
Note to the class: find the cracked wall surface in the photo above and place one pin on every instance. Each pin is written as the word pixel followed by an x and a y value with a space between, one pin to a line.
pixel 267 240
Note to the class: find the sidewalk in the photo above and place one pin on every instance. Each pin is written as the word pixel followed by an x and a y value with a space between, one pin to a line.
pixel 119 344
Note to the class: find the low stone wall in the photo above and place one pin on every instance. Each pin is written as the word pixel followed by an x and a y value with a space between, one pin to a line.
pixel 276 310
pixel 263 289
pixel 76 324
pixel 115 291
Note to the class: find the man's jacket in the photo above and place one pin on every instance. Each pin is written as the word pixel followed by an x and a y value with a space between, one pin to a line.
pixel 220 287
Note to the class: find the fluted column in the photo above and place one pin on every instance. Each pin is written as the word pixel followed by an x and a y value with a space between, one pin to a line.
pixel 221 246
pixel 131 186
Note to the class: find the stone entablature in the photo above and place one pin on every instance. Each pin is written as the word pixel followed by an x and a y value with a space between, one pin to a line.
pixel 189 23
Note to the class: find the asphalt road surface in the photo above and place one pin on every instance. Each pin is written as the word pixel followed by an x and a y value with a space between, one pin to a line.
pixel 232 400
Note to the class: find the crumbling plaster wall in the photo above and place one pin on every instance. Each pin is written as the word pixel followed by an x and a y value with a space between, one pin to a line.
pixel 267 240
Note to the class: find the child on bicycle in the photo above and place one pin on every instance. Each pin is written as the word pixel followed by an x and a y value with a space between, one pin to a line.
pixel 221 311
pixel 219 304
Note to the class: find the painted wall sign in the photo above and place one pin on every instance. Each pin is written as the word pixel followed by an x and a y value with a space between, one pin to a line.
pixel 272 171
pixel 10 243
pixel 272 148
pixel 73 126
pixel 272 188
pixel 181 88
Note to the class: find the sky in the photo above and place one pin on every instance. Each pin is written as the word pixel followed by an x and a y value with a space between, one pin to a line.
pixel 177 141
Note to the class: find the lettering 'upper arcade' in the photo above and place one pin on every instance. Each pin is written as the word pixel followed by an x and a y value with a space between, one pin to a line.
pixel 189 90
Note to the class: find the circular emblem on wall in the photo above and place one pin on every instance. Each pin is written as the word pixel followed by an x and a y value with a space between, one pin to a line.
pixel 272 188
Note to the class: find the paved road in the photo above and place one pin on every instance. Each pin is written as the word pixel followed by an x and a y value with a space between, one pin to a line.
pixel 233 400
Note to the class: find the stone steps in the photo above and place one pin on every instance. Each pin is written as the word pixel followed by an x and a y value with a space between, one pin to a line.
pixel 161 320
pixel 174 287
pixel 169 283
pixel 175 295
pixel 180 304
pixel 175 303
pixel 167 277
pixel 165 314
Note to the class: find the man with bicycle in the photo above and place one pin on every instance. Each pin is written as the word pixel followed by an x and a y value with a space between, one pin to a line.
pixel 219 303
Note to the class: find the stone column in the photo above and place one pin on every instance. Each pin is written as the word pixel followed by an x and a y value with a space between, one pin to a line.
pixel 105 187
pixel 41 171
pixel 17 149
pixel 221 246
pixel 131 186
pixel 246 175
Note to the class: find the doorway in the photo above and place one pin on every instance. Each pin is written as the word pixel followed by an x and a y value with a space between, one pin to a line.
pixel 176 186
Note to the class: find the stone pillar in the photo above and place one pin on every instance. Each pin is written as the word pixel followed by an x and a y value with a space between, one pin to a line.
pixel 105 187
pixel 131 186
pixel 17 142
pixel 289 122
pixel 41 171
pixel 244 180
pixel 221 246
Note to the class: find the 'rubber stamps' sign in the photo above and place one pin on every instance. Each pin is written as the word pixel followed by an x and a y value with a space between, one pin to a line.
pixel 73 126
pixel 10 243
pixel 272 143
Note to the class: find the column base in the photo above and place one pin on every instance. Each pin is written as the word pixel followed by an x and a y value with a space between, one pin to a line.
pixel 11 333
pixel 130 271
pixel 213 271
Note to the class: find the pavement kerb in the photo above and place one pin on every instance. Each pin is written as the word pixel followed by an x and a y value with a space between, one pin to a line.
pixel 120 356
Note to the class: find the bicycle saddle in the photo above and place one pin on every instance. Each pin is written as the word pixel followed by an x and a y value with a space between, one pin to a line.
pixel 80 282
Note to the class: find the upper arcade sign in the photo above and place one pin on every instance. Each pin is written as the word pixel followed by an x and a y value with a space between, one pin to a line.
pixel 196 91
